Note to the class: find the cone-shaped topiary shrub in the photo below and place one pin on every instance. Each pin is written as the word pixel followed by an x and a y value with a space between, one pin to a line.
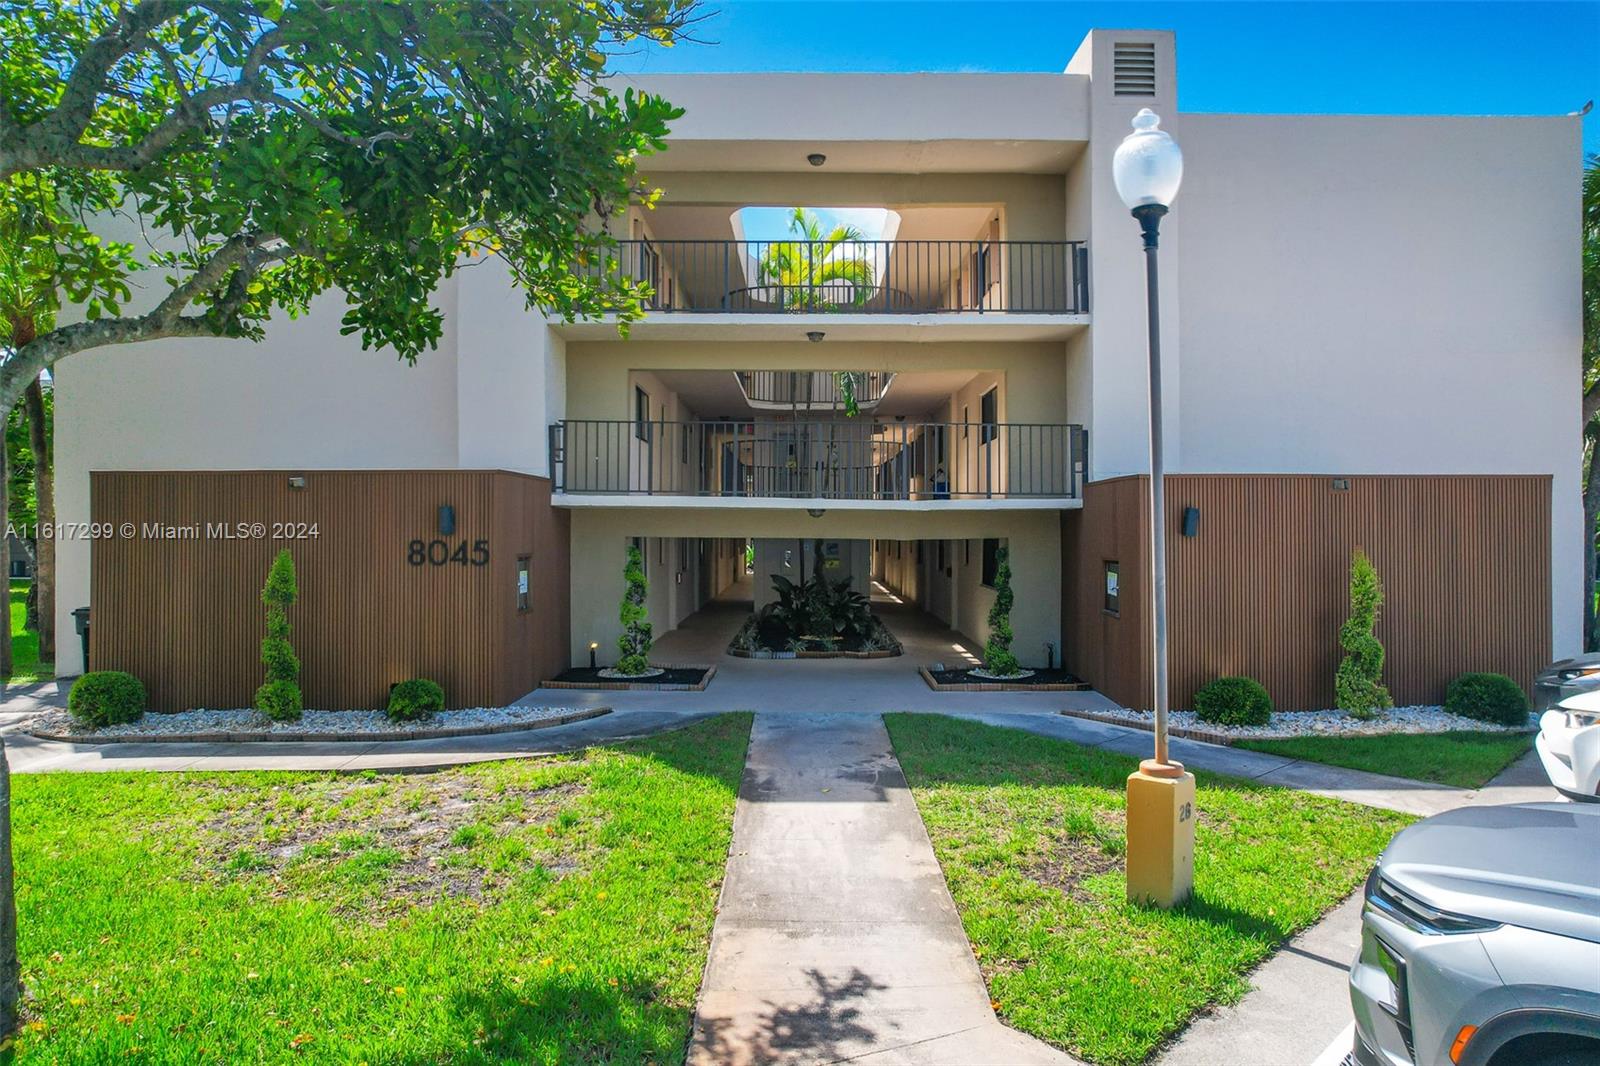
pixel 997 657
pixel 1358 683
pixel 279 699
pixel 1233 701
pixel 1488 698
pixel 414 700
pixel 106 697
pixel 635 640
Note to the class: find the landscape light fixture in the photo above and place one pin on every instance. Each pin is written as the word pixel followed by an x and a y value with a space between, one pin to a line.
pixel 1147 169
pixel 815 336
pixel 816 159
pixel 594 646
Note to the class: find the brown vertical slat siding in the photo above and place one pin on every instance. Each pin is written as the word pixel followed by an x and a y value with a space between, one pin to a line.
pixel 1263 588
pixel 1109 651
pixel 185 615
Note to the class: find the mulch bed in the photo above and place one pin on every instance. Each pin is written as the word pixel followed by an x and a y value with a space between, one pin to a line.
pixel 673 679
pixel 964 680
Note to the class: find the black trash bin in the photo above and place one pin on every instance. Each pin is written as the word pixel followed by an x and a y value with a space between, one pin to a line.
pixel 80 618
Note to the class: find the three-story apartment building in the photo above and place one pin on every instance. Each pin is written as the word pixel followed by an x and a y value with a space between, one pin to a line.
pixel 1370 336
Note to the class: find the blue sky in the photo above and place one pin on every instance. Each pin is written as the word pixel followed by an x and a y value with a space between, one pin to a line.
pixel 1372 57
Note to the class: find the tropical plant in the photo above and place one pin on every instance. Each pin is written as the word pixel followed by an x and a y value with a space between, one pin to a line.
pixel 634 643
pixel 818 271
pixel 287 147
pixel 1358 683
pixel 279 698
pixel 997 656
pixel 819 609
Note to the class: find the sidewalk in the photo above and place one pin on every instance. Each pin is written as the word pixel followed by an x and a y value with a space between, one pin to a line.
pixel 836 938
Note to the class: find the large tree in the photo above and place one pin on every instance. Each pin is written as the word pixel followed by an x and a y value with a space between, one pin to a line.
pixel 280 148
pixel 255 153
pixel 1591 391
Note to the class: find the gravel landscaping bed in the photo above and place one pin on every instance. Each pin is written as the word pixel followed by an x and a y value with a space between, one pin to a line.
pixel 968 679
pixel 1332 723
pixel 248 724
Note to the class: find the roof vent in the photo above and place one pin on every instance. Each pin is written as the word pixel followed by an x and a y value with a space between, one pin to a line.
pixel 1133 69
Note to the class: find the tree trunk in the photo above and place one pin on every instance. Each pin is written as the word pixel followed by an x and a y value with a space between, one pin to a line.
pixel 10 968
pixel 44 569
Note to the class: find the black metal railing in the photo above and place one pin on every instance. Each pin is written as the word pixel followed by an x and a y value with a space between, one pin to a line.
pixel 842 459
pixel 808 390
pixel 855 277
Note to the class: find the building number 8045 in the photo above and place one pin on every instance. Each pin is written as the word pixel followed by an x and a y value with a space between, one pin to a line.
pixel 444 553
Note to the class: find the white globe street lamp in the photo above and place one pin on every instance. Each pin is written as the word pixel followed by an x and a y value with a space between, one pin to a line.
pixel 1147 169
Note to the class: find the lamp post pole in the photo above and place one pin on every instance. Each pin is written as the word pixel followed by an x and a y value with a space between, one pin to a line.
pixel 1149 216
pixel 1148 167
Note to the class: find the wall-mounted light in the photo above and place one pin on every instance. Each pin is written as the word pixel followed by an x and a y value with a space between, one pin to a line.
pixel 1341 484
pixel 816 159
pixel 447 520
pixel 297 482
pixel 594 646
pixel 815 336
pixel 1191 521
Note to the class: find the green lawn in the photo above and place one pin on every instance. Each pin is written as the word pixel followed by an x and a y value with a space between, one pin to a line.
pixel 551 910
pixel 26 666
pixel 1463 759
pixel 1030 833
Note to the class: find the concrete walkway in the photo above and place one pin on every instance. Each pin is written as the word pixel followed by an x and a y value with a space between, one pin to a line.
pixel 836 939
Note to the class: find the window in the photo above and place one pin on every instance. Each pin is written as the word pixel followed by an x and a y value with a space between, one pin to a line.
pixel 991 415
pixel 522 582
pixel 991 560
pixel 1113 587
pixel 683 443
pixel 966 417
pixel 641 414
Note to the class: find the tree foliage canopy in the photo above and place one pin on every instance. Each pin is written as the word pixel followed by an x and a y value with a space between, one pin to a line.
pixel 274 149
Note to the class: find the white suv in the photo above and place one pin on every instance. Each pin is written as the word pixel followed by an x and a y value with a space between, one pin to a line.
pixel 1569 745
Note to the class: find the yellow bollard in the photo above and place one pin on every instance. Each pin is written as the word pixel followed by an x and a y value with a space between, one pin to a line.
pixel 1160 834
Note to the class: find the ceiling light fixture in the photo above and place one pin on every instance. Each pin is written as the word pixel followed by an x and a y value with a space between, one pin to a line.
pixel 816 159
pixel 815 336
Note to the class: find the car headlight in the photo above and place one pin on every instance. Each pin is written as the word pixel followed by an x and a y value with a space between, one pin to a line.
pixel 1582 719
pixel 1576 673
pixel 1416 915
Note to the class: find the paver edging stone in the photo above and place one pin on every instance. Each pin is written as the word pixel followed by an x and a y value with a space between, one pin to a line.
pixel 578 715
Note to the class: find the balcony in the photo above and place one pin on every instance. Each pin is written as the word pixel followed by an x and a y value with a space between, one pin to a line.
pixel 852 460
pixel 909 277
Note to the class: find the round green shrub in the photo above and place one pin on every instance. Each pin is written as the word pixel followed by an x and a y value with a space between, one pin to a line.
pixel 1233 701
pixel 413 700
pixel 106 697
pixel 1488 698
pixel 279 701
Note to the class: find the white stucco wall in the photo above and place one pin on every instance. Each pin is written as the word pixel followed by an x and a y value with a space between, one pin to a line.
pixel 1385 295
